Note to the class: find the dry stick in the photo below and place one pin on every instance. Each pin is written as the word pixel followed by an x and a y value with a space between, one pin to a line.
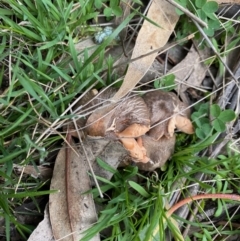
pixel 202 196
pixel 85 153
pixel 198 197
pixel 215 52
pixel 188 13
pixel 67 174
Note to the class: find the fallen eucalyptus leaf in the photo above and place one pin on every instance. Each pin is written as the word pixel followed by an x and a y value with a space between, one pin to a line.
pixel 43 231
pixel 190 72
pixel 70 210
pixel 150 38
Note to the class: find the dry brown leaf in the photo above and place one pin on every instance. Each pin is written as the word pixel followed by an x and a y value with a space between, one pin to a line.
pixel 42 172
pixel 150 38
pixel 43 231
pixel 70 211
pixel 184 124
pixel 190 72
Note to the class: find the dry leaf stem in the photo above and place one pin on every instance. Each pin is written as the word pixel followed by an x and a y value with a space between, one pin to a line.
pixel 67 176
pixel 216 53
pixel 199 197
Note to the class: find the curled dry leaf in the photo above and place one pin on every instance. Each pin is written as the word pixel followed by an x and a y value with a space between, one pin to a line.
pixel 192 70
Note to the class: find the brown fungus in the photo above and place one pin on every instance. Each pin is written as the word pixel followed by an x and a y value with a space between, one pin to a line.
pixel 145 126
pixel 166 113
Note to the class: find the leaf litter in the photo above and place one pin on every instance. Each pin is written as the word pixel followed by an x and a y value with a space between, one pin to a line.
pixel 70 210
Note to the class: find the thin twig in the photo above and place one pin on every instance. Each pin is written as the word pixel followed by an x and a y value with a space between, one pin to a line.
pixel 216 52
pixel 188 13
pixel 86 155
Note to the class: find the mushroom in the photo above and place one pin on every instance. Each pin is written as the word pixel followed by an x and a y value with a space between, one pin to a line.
pixel 130 119
pixel 159 151
pixel 166 113
pixel 124 121
pixel 97 122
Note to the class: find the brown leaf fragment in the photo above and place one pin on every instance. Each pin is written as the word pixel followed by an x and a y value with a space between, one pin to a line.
pixel 43 231
pixel 70 210
pixel 42 172
pixel 190 72
pixel 184 124
pixel 150 38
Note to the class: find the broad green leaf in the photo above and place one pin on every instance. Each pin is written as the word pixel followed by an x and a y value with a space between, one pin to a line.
pixel 213 17
pixel 117 11
pixel 179 12
pixel 227 115
pixel 206 127
pixel 201 14
pixel 183 3
pixel 98 4
pixel 218 125
pixel 210 7
pixel 214 24
pixel 215 110
pixel 203 130
pixel 200 133
pixel 139 188
pixel 209 31
pixel 107 12
pixel 200 3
